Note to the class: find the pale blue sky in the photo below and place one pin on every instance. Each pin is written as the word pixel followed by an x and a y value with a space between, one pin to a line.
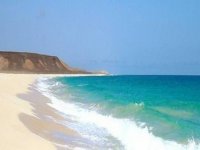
pixel 121 36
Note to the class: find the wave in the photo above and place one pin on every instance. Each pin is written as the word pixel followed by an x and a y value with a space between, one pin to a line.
pixel 83 85
pixel 130 135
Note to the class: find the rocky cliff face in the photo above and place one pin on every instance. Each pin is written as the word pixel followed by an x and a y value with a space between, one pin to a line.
pixel 21 62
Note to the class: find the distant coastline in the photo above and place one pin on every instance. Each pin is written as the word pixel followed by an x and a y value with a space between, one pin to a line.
pixel 25 62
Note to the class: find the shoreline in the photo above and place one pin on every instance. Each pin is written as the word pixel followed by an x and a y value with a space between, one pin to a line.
pixel 45 122
pixel 48 122
pixel 13 133
pixel 27 121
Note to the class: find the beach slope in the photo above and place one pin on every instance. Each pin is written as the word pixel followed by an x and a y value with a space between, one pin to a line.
pixel 13 133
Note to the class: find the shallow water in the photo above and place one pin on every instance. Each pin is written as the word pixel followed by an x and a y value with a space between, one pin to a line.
pixel 130 112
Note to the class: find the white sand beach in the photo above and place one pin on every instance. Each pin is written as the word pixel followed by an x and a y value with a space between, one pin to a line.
pixel 13 133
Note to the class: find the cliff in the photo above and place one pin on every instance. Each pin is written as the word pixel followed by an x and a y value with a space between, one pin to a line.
pixel 22 62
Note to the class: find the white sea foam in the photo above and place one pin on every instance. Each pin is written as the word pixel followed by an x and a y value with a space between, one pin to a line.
pixel 131 136
pixel 139 104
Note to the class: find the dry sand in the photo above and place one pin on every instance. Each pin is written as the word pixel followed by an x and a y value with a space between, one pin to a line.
pixel 27 122
pixel 13 133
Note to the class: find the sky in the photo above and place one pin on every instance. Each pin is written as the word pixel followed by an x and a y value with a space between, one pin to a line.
pixel 120 36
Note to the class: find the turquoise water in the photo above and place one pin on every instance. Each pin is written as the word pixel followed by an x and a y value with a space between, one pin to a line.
pixel 166 107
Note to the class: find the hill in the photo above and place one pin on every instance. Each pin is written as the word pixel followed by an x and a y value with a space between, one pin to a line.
pixel 23 62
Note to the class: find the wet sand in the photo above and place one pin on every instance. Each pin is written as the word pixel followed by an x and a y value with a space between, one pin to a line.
pixel 48 123
pixel 28 122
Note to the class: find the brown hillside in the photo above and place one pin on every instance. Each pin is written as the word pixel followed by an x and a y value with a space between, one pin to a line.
pixel 22 62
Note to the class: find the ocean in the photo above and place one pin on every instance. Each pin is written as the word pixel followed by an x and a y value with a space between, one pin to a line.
pixel 129 112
